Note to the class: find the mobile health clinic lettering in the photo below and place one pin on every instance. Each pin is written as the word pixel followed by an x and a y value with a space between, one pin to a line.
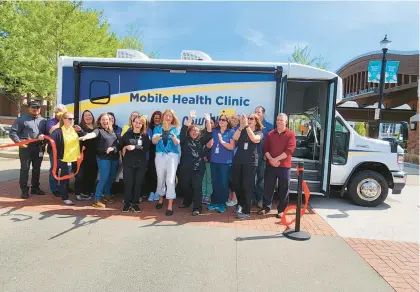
pixel 391 70
pixel 220 100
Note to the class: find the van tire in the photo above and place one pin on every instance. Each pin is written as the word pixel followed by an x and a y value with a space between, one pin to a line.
pixel 372 178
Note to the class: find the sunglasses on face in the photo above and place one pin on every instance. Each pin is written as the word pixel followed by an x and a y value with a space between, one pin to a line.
pixel 71 119
pixel 223 120
pixel 251 119
pixel 35 107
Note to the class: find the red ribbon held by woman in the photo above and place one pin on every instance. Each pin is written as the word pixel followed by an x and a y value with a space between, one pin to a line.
pixel 54 152
pixel 294 207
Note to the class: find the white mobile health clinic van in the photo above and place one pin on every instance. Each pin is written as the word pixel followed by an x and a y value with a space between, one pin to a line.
pixel 334 155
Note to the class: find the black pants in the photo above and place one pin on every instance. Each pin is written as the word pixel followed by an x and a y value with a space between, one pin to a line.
pixel 271 175
pixel 27 156
pixel 191 186
pixel 243 182
pixel 63 168
pixel 86 178
pixel 151 178
pixel 133 182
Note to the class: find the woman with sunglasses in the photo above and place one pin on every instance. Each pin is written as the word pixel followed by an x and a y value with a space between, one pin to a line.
pixel 66 139
pixel 135 145
pixel 220 163
pixel 245 162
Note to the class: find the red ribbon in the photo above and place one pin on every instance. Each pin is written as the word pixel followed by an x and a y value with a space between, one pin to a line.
pixel 54 152
pixel 294 207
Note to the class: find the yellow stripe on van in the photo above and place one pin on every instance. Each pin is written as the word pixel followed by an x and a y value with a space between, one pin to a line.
pixel 125 97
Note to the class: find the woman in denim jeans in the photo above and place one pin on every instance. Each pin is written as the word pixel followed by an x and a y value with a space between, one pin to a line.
pixel 166 138
pixel 107 156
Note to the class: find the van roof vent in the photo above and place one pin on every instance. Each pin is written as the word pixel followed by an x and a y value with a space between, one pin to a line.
pixel 194 55
pixel 131 54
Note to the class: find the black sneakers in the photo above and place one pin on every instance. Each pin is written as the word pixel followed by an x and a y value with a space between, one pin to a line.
pixel 126 208
pixel 135 208
pixel 37 192
pixel 24 195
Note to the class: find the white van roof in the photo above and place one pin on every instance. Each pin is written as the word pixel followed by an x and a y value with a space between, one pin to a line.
pixel 292 70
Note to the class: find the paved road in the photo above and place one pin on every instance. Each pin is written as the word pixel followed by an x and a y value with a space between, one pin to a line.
pixel 397 219
pixel 45 252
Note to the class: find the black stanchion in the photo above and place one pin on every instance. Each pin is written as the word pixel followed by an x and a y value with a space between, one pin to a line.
pixel 297 234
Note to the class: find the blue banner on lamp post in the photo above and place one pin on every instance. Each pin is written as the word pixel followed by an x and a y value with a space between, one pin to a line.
pixel 391 70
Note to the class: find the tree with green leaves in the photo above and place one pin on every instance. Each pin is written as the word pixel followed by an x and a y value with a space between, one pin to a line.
pixel 34 34
pixel 360 128
pixel 302 55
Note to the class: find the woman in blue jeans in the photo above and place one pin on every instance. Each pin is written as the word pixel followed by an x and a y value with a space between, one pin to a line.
pixel 107 155
pixel 220 163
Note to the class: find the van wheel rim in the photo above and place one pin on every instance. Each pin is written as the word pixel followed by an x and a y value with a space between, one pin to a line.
pixel 369 189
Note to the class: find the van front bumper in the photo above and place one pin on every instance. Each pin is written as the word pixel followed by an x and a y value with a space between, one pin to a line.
pixel 400 178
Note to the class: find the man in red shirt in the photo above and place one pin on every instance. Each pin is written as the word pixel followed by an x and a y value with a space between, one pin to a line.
pixel 279 146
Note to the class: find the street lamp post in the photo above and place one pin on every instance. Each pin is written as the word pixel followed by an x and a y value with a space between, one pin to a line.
pixel 385 43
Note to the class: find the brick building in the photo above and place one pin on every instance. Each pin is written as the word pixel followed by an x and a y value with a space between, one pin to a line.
pixel 9 110
pixel 356 87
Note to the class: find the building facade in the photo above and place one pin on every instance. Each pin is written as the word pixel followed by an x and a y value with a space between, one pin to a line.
pixel 404 93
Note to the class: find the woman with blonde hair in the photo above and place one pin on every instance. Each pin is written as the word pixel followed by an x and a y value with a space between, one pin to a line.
pixel 107 155
pixel 66 139
pixel 127 127
pixel 245 162
pixel 166 138
pixel 135 145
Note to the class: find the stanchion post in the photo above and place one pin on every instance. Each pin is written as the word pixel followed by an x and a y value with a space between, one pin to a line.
pixel 297 234
pixel 299 196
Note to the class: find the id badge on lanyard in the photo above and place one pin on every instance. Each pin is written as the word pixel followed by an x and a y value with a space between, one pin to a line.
pixel 216 151
pixel 246 146
pixel 139 142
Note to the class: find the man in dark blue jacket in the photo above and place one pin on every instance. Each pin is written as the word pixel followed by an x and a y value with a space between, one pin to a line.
pixel 26 127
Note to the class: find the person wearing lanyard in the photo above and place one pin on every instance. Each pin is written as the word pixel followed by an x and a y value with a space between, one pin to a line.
pixel 134 144
pixel 68 151
pixel 192 166
pixel 166 138
pixel 26 127
pixel 245 162
pixel 220 163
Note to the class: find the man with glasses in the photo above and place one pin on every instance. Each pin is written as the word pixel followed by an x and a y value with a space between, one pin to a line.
pixel 259 184
pixel 30 126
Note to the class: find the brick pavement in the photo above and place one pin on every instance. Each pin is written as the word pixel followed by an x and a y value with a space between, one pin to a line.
pixel 396 262
pixel 9 198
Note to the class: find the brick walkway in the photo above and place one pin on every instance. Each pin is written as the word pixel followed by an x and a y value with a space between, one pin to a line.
pixel 396 262
pixel 10 198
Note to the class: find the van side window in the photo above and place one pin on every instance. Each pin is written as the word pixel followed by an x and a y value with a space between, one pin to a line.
pixel 99 92
pixel 341 143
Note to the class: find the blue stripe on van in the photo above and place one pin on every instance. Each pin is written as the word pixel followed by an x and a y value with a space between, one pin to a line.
pixel 126 80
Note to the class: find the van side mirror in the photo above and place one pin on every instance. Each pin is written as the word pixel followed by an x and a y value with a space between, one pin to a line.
pixel 404 130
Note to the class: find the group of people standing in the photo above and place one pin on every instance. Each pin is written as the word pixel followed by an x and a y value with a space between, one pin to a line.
pixel 160 157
